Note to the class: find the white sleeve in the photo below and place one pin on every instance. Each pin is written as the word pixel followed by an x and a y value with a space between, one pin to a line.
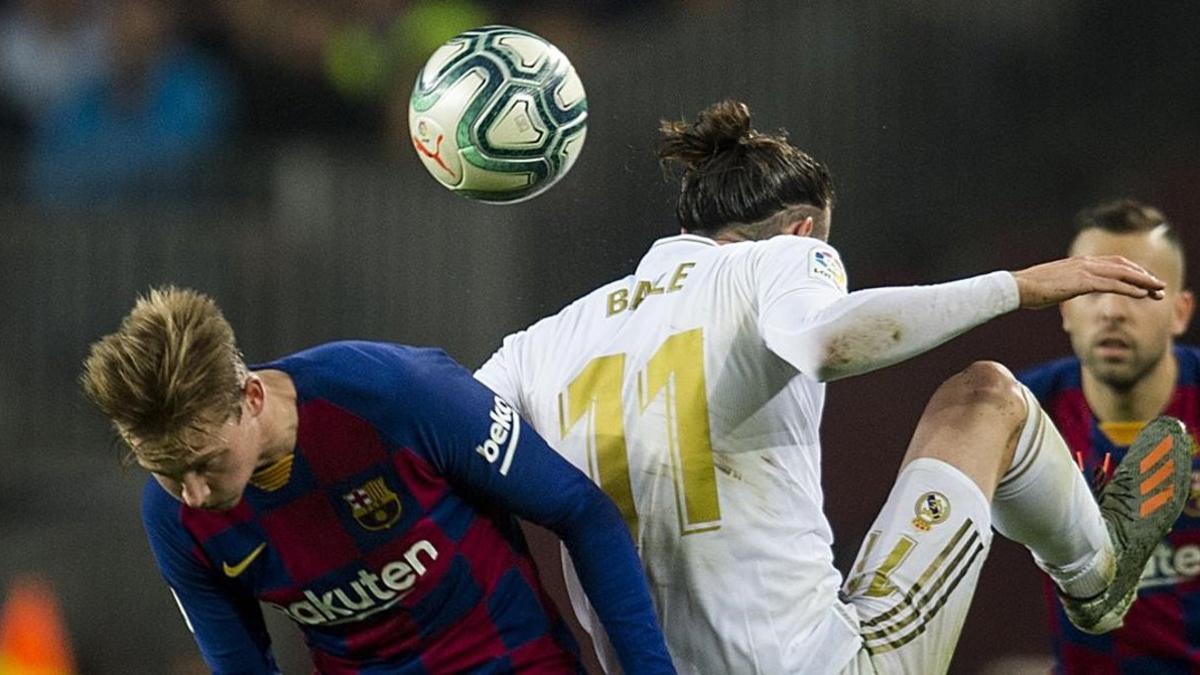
pixel 830 336
pixel 502 373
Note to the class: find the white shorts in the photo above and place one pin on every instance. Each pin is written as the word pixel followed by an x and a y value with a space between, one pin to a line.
pixel 912 582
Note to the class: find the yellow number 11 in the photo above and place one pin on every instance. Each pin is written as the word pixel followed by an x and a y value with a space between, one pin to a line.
pixel 677 371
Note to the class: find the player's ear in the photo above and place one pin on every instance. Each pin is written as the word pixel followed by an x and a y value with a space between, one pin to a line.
pixel 1185 305
pixel 801 228
pixel 254 394
pixel 1065 313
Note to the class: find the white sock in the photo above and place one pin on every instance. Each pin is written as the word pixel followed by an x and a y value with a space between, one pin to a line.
pixel 1043 502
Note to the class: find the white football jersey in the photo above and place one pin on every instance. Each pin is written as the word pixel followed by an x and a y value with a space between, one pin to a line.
pixel 661 387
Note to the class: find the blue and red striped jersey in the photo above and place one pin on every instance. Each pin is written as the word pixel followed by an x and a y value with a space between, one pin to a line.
pixel 391 540
pixel 1162 630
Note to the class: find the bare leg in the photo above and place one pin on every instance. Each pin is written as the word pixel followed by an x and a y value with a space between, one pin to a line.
pixel 986 424
pixel 916 573
pixel 986 455
pixel 972 423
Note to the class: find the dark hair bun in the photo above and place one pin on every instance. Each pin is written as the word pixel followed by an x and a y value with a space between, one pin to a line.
pixel 719 128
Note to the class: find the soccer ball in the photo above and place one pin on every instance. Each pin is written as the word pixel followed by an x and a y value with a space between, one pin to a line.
pixel 498 114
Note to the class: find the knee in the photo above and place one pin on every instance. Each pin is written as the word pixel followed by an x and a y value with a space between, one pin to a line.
pixel 984 384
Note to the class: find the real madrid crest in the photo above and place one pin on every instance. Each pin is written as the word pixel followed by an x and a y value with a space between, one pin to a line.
pixel 931 509
pixel 373 504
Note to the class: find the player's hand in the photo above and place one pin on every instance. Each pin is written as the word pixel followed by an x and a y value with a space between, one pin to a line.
pixel 1054 282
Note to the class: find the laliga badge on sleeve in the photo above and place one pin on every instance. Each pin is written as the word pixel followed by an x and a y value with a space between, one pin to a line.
pixel 824 264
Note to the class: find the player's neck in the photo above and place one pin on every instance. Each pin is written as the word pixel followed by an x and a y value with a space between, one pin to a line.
pixel 1143 401
pixel 281 417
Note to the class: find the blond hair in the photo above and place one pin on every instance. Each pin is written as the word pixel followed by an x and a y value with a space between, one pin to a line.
pixel 170 372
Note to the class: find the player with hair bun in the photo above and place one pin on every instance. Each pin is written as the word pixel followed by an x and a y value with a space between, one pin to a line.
pixel 692 390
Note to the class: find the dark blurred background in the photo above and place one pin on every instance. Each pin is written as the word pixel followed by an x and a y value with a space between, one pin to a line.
pixel 257 150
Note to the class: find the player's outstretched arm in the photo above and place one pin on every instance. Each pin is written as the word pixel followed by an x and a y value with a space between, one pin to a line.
pixel 228 629
pixel 1054 282
pixel 830 335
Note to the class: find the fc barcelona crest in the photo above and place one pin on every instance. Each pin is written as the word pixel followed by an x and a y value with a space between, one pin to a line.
pixel 373 505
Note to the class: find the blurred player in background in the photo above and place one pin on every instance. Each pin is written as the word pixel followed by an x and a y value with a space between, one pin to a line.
pixel 368 491
pixel 692 392
pixel 1126 370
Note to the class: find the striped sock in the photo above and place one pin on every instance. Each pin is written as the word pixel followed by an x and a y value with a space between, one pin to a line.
pixel 1043 502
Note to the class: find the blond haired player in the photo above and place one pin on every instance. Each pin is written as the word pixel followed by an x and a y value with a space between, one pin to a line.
pixel 366 490
pixel 692 392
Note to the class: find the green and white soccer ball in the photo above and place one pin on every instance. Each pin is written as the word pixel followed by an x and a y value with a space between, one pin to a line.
pixel 498 114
